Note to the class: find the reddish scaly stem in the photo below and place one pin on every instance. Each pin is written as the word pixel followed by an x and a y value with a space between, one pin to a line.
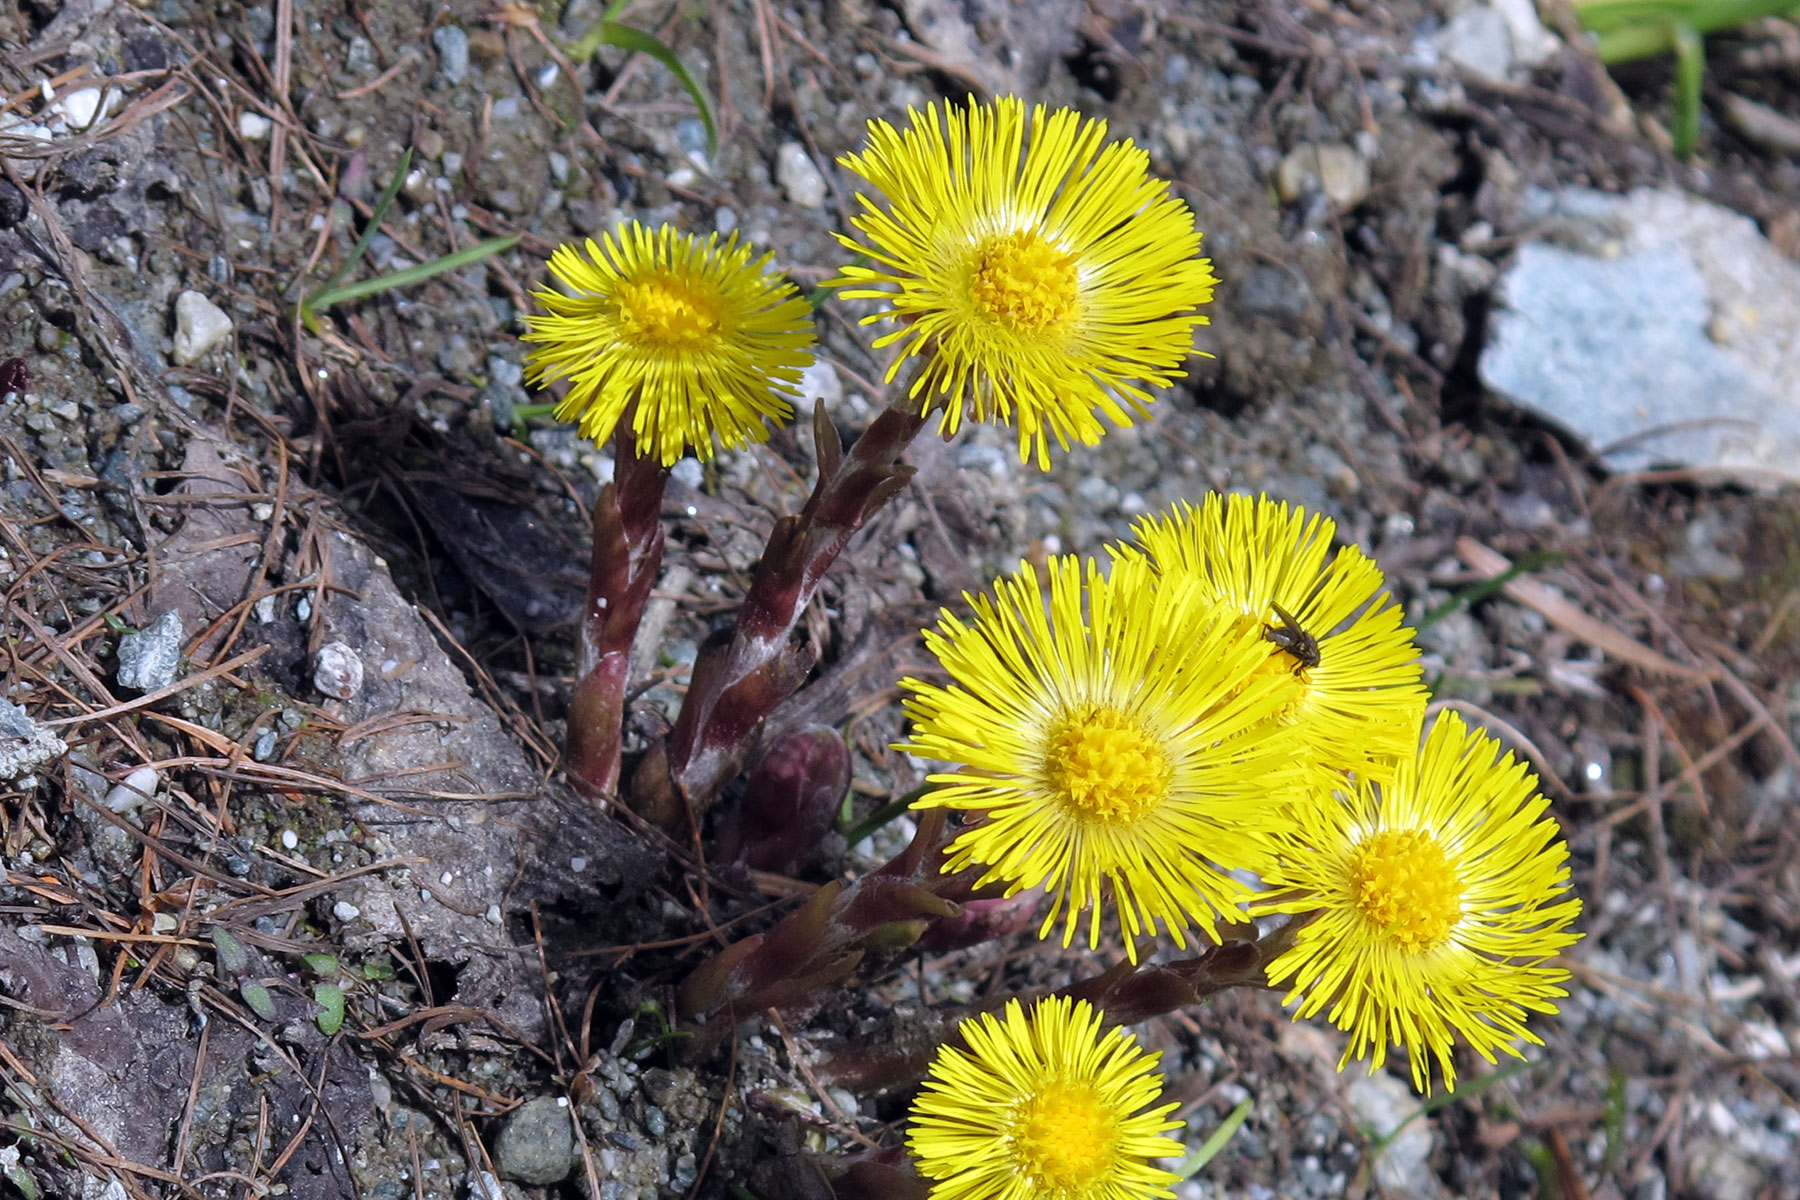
pixel 628 548
pixel 737 683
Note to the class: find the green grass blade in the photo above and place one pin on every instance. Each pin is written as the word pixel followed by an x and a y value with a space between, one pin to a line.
pixel 412 275
pixel 1690 71
pixel 881 816
pixel 376 216
pixel 607 32
pixel 1487 587
pixel 1465 1090
pixel 1215 1141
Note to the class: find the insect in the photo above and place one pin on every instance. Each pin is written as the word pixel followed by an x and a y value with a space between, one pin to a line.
pixel 1288 636
pixel 14 377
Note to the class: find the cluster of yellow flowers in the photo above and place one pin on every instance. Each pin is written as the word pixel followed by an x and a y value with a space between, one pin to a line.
pixel 1038 274
pixel 1224 699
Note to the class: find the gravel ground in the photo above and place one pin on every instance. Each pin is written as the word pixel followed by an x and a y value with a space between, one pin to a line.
pixel 372 569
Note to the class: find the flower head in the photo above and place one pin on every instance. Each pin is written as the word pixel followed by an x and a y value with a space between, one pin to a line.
pixel 1437 900
pixel 1036 271
pixel 1331 634
pixel 691 339
pixel 1043 1106
pixel 1116 738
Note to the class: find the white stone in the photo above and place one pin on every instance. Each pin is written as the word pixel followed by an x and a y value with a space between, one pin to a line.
pixel 1478 40
pixel 82 108
pixel 798 177
pixel 343 910
pixel 289 839
pixel 1532 44
pixel 199 326
pixel 337 671
pixel 253 126
pixel 1334 168
pixel 134 791
pixel 819 382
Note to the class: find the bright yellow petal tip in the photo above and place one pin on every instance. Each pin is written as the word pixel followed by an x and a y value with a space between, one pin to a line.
pixel 1043 1105
pixel 692 339
pixel 1110 734
pixel 1436 899
pixel 1037 272
pixel 1347 659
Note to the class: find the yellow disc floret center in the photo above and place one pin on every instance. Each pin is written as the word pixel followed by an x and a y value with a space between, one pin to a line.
pixel 1024 283
pixel 1103 765
pixel 1065 1137
pixel 1403 884
pixel 666 312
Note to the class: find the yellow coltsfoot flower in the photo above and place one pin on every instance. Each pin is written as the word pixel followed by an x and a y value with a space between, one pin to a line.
pixel 1037 272
pixel 692 339
pixel 1348 661
pixel 1043 1105
pixel 1436 901
pixel 1115 734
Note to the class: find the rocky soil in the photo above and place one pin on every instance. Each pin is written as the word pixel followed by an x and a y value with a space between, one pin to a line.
pixel 287 609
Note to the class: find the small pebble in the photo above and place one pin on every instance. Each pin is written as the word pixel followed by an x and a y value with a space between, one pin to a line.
pixel 82 108
pixel 337 671
pixel 453 52
pixel 149 658
pixel 1335 169
pixel 134 791
pixel 253 126
pixel 289 839
pixel 199 326
pixel 798 177
pixel 343 910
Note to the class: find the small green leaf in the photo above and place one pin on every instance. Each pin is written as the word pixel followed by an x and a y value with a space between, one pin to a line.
pixel 607 32
pixel 376 216
pixel 258 998
pixel 411 275
pixel 321 964
pixel 330 999
pixel 378 970
pixel 233 958
pixel 21 1179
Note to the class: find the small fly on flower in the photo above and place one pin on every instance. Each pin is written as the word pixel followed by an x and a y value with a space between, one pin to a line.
pixel 1292 639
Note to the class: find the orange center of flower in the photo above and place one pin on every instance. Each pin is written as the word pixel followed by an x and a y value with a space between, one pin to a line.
pixel 1403 884
pixel 1024 283
pixel 1065 1137
pixel 1105 766
pixel 665 312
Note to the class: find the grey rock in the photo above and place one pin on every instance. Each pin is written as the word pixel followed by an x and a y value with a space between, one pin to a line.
pixel 1661 330
pixel 1273 291
pixel 1381 1103
pixel 149 658
pixel 24 744
pixel 537 1144
pixel 453 52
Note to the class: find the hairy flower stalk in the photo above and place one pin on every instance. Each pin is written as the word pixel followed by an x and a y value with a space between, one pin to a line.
pixel 670 346
pixel 738 682
pixel 628 549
